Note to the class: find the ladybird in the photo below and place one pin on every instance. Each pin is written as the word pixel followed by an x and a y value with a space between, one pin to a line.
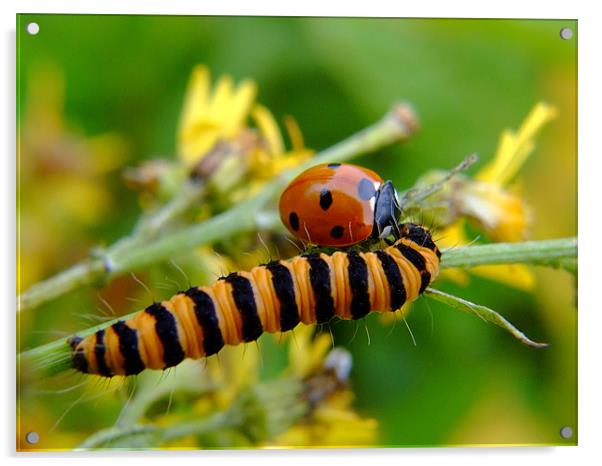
pixel 339 205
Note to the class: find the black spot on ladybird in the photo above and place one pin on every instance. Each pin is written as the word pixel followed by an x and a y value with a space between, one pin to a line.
pixel 337 232
pixel 366 189
pixel 293 219
pixel 325 199
pixel 333 165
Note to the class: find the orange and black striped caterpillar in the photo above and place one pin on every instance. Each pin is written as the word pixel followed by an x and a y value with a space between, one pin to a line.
pixel 274 297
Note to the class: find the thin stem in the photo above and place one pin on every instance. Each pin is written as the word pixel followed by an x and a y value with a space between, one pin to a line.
pixel 414 196
pixel 129 254
pixel 551 253
pixel 114 434
pixel 109 437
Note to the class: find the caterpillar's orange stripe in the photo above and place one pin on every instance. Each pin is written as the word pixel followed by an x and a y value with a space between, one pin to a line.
pixel 273 297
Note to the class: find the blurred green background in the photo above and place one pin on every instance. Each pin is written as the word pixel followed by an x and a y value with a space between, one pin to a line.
pixel 117 83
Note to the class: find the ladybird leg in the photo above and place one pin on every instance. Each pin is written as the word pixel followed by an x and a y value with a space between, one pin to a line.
pixel 307 233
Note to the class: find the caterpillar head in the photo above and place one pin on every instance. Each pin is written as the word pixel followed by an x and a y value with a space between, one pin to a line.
pixel 419 235
pixel 78 356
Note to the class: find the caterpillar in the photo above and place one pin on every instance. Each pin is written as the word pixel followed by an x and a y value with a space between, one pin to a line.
pixel 274 297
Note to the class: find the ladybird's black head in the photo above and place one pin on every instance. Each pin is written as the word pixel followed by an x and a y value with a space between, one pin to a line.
pixel 386 212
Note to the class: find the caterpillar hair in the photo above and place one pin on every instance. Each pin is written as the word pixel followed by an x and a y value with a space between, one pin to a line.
pixel 274 297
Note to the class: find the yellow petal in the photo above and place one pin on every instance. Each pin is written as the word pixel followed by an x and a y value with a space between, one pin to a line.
pixel 196 100
pixel 294 133
pixel 220 102
pixel 307 354
pixel 268 128
pixel 515 147
pixel 241 102
pixel 209 116
pixel 501 213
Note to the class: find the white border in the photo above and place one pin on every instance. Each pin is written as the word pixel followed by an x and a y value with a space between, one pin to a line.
pixel 458 8
pixel 590 325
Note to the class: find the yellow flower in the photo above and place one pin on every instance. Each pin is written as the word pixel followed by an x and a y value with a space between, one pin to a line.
pixel 331 420
pixel 515 147
pixel 332 427
pixel 209 116
pixel 487 201
pixel 306 354
pixel 503 215
pixel 222 115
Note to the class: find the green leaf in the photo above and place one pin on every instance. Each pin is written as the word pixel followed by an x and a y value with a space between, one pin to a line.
pixel 484 313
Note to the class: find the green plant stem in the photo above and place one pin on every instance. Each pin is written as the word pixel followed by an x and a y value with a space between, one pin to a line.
pixel 109 437
pixel 55 357
pixel 551 253
pixel 115 434
pixel 127 255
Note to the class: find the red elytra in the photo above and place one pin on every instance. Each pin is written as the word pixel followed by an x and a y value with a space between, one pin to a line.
pixel 332 204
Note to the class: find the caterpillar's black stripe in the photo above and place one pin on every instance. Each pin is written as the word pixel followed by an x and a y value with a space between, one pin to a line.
pixel 319 278
pixel 423 238
pixel 167 331
pixel 394 278
pixel 413 256
pixel 99 352
pixel 282 281
pixel 358 283
pixel 417 261
pixel 128 346
pixel 204 310
pixel 426 279
pixel 242 292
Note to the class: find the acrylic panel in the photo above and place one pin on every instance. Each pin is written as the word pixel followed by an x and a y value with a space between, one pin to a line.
pixel 436 309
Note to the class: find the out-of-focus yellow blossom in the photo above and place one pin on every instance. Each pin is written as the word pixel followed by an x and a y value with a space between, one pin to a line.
pixel 491 205
pixel 74 196
pixel 224 116
pixel 501 213
pixel 331 420
pixel 488 201
pixel 234 369
pixel 332 427
pixel 208 116
pixel 515 147
pixel 305 353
